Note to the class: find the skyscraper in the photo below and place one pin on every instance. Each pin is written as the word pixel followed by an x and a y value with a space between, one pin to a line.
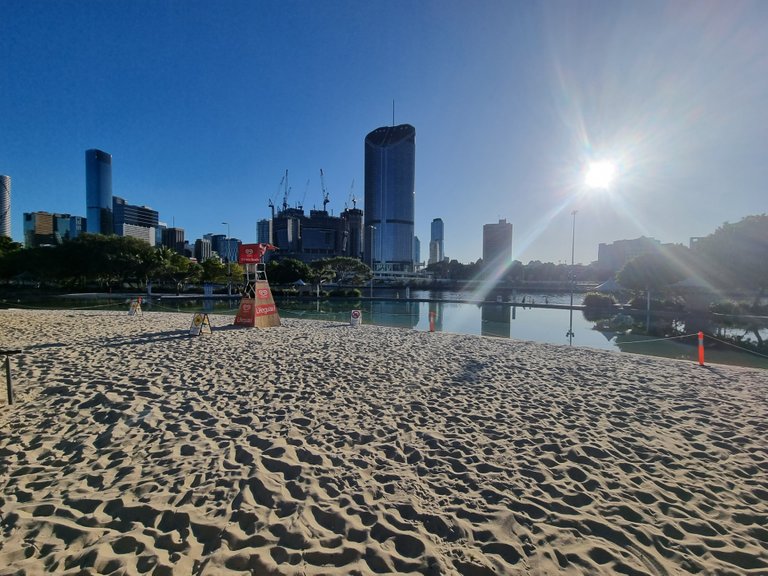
pixel 390 173
pixel 497 247
pixel 136 221
pixel 5 206
pixel 173 238
pixel 98 192
pixel 264 231
pixel 436 253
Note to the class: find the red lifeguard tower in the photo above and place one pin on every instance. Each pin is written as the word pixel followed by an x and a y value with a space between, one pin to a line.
pixel 257 307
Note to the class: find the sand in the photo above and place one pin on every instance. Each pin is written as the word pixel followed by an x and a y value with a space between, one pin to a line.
pixel 318 448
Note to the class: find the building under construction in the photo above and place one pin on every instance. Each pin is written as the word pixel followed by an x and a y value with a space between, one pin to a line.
pixel 317 236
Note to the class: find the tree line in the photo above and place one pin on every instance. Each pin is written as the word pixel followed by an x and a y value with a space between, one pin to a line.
pixel 103 262
pixel 733 258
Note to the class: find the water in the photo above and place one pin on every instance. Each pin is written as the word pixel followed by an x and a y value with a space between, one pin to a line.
pixel 544 325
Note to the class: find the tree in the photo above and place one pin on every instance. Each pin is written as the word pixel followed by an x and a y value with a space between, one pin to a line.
pixel 288 271
pixel 734 256
pixel 11 258
pixel 342 270
pixel 214 270
pixel 653 271
pixel 7 246
pixel 169 266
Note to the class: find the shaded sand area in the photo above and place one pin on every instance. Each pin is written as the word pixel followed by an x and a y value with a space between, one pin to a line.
pixel 317 448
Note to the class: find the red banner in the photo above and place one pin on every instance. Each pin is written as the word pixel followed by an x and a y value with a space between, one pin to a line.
pixel 266 310
pixel 252 253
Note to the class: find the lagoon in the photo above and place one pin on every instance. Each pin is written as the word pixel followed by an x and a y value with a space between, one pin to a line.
pixel 542 319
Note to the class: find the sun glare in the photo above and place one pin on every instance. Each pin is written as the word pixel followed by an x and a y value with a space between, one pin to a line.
pixel 600 175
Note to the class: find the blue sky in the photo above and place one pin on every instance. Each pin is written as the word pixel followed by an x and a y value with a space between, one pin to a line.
pixel 203 106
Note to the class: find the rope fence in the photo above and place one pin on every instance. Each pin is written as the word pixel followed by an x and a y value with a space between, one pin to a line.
pixel 156 306
pixel 661 339
pixel 699 335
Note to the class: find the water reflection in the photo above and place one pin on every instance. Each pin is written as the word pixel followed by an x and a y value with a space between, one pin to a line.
pixel 396 313
pixel 495 320
pixel 546 325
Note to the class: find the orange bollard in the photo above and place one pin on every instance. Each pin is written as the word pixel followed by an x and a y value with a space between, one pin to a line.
pixel 701 348
pixel 432 321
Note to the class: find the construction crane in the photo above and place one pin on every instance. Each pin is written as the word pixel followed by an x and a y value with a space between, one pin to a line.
pixel 274 197
pixel 325 193
pixel 351 197
pixel 287 192
pixel 306 189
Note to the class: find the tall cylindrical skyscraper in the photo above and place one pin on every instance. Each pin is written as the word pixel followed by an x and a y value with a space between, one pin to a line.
pixel 390 175
pixel 5 206
pixel 98 192
pixel 436 248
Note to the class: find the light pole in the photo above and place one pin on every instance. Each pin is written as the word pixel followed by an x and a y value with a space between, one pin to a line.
pixel 373 229
pixel 229 262
pixel 573 252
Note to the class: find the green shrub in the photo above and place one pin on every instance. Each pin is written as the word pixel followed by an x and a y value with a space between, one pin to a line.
pixel 598 300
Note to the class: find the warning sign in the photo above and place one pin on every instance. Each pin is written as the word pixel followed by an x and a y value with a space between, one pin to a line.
pixel 355 318
pixel 135 308
pixel 201 324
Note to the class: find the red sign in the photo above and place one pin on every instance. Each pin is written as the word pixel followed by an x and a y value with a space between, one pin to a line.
pixel 252 253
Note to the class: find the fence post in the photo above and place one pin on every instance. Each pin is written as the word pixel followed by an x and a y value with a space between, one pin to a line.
pixel 701 348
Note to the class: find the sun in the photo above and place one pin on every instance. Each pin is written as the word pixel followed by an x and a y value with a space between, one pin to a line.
pixel 600 175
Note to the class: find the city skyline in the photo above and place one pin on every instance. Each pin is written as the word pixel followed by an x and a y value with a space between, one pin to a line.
pixel 204 108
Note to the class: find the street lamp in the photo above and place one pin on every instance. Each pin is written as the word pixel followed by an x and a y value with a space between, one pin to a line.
pixel 373 228
pixel 570 333
pixel 229 262
pixel 599 176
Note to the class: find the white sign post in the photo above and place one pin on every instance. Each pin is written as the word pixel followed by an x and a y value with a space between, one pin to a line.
pixel 355 318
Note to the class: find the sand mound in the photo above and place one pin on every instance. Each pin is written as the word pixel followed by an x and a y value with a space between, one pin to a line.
pixel 316 448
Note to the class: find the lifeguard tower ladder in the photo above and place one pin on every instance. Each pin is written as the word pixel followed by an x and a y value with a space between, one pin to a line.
pixel 257 306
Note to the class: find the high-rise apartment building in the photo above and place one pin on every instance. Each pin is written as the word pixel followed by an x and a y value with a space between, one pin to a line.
pixel 5 206
pixel 390 173
pixel 436 241
pixel 497 248
pixel 98 191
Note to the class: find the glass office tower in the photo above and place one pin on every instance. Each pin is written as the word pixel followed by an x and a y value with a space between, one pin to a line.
pixel 436 250
pixel 98 192
pixel 390 170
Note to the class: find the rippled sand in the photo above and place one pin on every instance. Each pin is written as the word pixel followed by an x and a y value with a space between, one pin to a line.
pixel 317 448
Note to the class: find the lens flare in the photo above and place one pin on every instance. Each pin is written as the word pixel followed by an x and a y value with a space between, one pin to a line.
pixel 600 175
